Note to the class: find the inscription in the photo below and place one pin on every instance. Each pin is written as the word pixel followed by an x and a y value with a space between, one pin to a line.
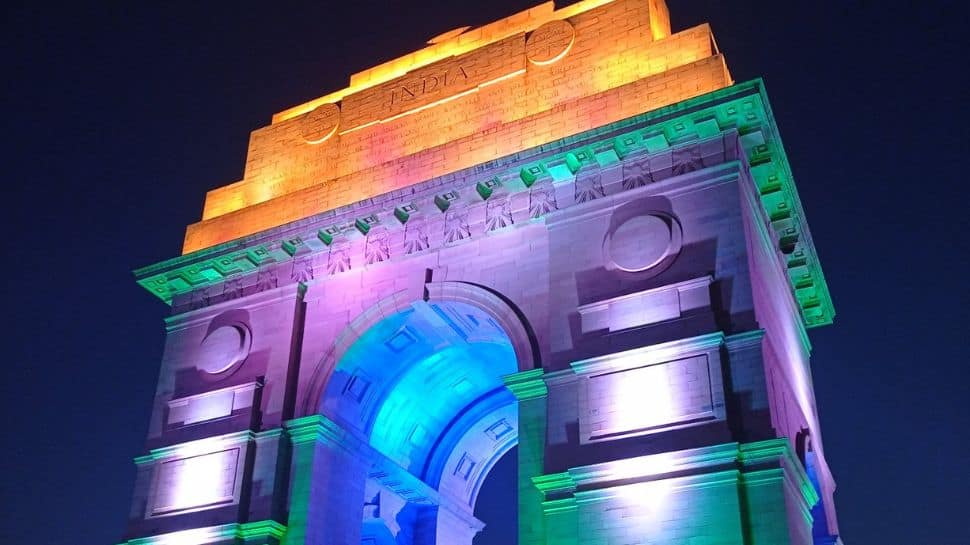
pixel 437 81
pixel 419 87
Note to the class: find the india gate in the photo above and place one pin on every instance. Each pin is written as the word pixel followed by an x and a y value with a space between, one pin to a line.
pixel 567 238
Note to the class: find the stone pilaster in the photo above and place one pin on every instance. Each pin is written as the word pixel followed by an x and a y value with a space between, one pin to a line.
pixel 777 494
pixel 327 479
pixel 530 390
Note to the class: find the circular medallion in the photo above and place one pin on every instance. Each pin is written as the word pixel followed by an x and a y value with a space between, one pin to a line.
pixel 642 242
pixel 223 348
pixel 550 42
pixel 320 123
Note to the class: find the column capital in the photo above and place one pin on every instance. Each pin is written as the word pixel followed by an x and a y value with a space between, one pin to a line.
pixel 527 384
pixel 319 428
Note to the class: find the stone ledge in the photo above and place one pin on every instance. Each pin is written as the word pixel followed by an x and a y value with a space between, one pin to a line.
pixel 267 532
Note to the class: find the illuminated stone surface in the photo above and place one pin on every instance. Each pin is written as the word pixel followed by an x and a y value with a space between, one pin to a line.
pixel 550 42
pixel 320 123
pixel 568 232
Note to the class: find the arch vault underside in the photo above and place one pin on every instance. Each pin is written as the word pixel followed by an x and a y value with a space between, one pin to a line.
pixel 424 387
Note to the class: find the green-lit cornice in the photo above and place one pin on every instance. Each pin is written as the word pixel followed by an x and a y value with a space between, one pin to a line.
pixel 743 108
pixel 555 483
pixel 248 532
pixel 772 459
pixel 767 452
pixel 317 427
pixel 526 384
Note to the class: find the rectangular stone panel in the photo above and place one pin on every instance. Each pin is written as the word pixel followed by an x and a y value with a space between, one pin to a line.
pixel 195 482
pixel 650 398
pixel 646 307
pixel 210 405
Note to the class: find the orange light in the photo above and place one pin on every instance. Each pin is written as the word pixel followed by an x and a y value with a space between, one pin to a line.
pixel 297 167
pixel 461 43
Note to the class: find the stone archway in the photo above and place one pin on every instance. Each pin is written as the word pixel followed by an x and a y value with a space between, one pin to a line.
pixel 417 388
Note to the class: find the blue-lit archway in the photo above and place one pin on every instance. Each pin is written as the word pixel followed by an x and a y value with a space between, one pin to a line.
pixel 423 386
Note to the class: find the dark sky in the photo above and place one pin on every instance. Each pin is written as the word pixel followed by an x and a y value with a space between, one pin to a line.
pixel 117 119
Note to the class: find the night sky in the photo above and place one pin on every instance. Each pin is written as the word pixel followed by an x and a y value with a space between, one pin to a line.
pixel 117 119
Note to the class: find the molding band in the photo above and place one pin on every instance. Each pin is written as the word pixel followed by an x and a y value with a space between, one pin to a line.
pixel 527 384
pixel 199 536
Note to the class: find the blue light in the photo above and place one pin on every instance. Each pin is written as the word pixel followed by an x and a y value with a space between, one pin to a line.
pixel 425 368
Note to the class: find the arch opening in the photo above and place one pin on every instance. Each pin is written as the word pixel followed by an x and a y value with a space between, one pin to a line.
pixel 423 386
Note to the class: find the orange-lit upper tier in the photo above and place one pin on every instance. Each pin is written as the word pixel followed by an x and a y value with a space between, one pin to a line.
pixel 532 78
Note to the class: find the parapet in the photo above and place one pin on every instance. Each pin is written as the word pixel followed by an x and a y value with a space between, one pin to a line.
pixel 471 96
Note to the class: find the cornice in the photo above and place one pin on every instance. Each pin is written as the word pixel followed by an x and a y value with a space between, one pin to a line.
pixel 649 355
pixel 559 377
pixel 526 384
pixel 302 249
pixel 751 463
pixel 744 339
pixel 719 478
pixel 246 530
pixel 204 446
pixel 778 452
pixel 319 428
pixel 555 483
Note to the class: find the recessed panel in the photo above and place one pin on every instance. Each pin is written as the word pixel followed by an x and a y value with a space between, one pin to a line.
pixel 650 398
pixel 197 482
